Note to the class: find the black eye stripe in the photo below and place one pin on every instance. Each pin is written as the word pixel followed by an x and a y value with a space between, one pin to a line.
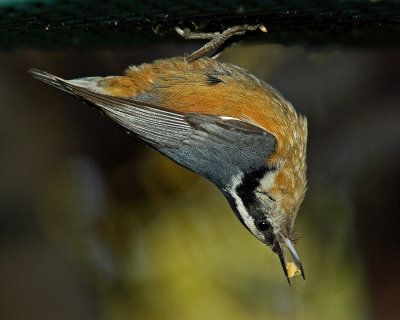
pixel 263 226
pixel 249 184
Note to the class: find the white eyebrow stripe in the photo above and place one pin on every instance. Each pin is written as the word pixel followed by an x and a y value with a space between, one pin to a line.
pixel 244 214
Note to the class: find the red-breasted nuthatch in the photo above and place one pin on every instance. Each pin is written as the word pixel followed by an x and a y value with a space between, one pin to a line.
pixel 219 121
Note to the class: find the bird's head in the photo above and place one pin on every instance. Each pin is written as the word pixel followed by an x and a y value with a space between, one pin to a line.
pixel 267 207
pixel 266 199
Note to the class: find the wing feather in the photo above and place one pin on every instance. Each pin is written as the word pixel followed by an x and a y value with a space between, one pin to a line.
pixel 213 146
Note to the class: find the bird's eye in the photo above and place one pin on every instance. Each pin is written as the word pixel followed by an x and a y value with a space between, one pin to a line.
pixel 263 226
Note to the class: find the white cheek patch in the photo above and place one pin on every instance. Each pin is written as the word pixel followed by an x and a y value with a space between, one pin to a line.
pixel 267 182
pixel 270 204
pixel 244 214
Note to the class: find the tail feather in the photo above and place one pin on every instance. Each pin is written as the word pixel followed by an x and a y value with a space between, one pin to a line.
pixel 49 79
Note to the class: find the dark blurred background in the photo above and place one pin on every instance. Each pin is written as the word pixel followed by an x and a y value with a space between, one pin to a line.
pixel 95 225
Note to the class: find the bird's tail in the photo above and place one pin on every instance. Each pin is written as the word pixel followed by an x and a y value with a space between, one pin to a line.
pixel 49 79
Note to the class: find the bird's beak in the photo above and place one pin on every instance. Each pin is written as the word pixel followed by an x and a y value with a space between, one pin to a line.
pixel 280 250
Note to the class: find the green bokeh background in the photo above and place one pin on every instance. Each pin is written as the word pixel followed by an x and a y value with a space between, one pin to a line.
pixel 95 225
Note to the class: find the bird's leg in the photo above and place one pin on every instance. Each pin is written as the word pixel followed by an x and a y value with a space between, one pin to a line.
pixel 217 39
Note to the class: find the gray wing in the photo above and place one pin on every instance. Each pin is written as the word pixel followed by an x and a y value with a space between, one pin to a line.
pixel 215 147
pixel 151 123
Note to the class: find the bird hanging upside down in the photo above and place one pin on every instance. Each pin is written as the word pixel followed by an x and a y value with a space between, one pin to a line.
pixel 219 121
